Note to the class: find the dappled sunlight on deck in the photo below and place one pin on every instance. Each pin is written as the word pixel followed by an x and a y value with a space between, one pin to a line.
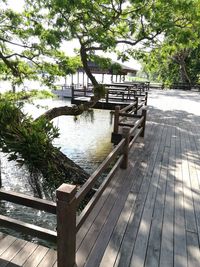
pixel 159 223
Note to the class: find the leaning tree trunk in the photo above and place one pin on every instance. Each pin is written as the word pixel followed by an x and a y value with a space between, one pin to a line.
pixel 180 58
pixel 84 59
pixel 61 169
pixel 64 169
pixel 51 168
pixel 183 74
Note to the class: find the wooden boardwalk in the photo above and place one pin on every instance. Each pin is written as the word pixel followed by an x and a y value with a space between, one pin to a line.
pixel 150 213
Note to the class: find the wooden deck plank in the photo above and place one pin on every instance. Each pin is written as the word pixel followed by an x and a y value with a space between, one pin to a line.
pixel 104 236
pixel 139 252
pixel 153 249
pixel 10 253
pixel 167 244
pixel 125 252
pixel 24 254
pixel 188 200
pixel 196 129
pixel 36 257
pixel 115 241
pixel 5 242
pixel 49 260
pixel 180 251
pixel 193 250
pixel 154 243
pixel 94 213
pixel 194 164
pixel 95 228
pixel 193 238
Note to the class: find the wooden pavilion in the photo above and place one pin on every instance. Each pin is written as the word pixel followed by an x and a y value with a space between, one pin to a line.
pixel 117 75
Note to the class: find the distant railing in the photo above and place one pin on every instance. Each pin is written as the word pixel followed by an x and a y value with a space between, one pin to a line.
pixel 68 199
pixel 123 116
pixel 185 86
pixel 81 92
pixel 123 95
pixel 113 93
pixel 156 85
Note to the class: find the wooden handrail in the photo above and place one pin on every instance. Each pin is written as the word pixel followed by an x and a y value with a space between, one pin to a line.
pixel 28 201
pixel 93 178
pixel 128 112
pixel 136 124
pixel 128 107
pixel 138 133
pixel 83 216
pixel 28 228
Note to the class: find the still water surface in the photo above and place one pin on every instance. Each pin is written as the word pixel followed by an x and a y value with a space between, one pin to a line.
pixel 85 139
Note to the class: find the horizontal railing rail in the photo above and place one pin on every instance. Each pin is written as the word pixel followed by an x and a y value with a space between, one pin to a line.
pixel 32 202
pixel 81 92
pixel 28 201
pixel 84 214
pixel 28 228
pixel 121 115
pixel 102 167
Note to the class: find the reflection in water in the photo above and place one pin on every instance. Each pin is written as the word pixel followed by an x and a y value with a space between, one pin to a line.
pixel 85 139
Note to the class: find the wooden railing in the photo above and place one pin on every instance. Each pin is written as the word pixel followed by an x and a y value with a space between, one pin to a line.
pixel 130 112
pixel 113 93
pixel 123 95
pixel 80 92
pixel 32 202
pixel 68 199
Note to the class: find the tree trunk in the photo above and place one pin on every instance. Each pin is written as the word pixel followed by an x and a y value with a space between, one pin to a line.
pixel 61 170
pixel 84 59
pixel 183 73
pixel 180 58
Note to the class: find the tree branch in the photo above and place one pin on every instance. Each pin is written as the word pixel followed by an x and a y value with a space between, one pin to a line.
pixel 11 66
pixel 132 43
pixel 13 43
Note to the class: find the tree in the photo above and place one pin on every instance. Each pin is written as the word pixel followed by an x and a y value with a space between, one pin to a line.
pixel 173 60
pixel 29 143
pixel 24 56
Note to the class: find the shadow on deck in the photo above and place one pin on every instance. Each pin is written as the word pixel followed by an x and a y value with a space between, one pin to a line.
pixel 151 213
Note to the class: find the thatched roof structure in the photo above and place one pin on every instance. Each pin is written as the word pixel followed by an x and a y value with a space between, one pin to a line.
pixel 122 70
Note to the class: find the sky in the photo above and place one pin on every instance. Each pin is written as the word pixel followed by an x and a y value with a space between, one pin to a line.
pixel 17 5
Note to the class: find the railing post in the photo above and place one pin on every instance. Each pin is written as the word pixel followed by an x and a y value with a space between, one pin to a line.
pixel 107 96
pixel 126 134
pixel 72 87
pixel 84 89
pixel 116 120
pixel 122 96
pixel 136 105
pixel 0 175
pixel 146 97
pixel 66 225
pixel 144 114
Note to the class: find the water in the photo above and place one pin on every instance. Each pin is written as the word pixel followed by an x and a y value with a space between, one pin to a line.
pixel 85 139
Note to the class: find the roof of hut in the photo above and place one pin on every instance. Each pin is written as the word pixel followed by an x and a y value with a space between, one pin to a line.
pixel 122 70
